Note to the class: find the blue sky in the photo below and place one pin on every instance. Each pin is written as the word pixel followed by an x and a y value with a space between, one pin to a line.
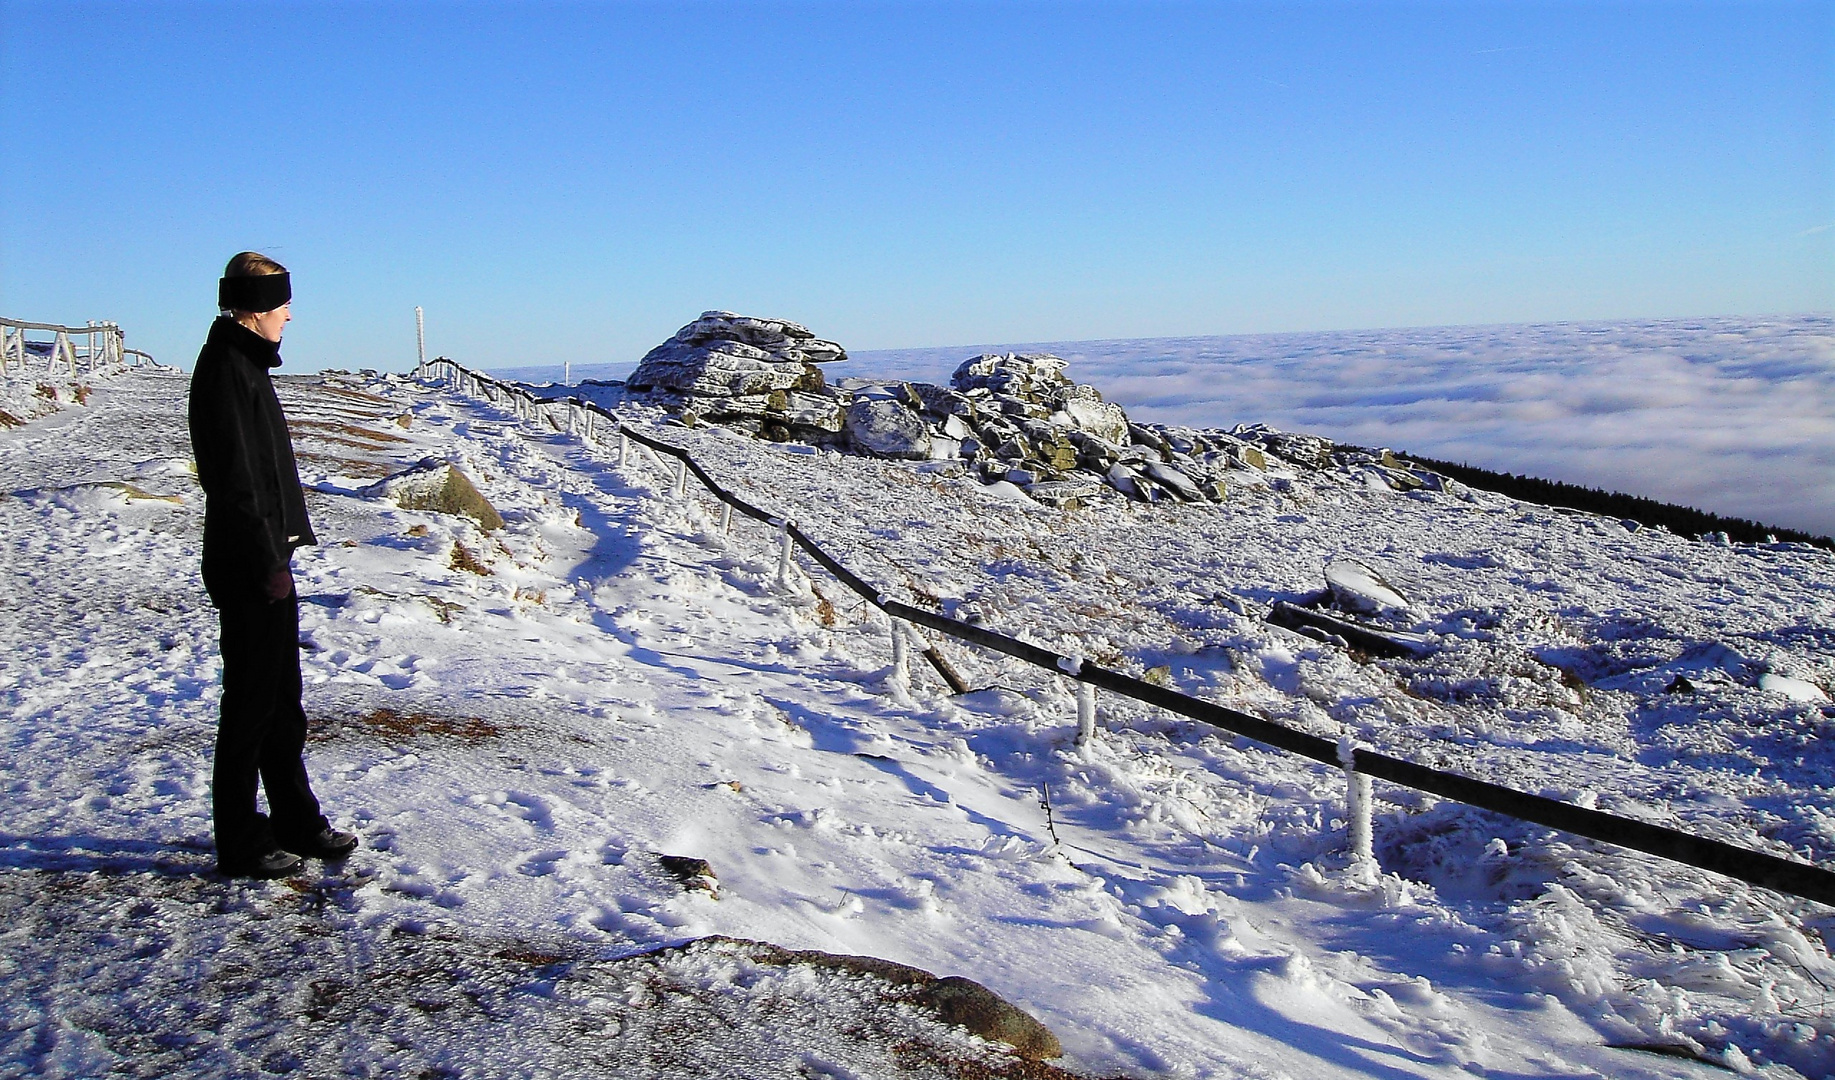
pixel 581 179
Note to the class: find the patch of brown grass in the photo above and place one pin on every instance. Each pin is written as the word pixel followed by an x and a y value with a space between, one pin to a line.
pixel 343 466
pixel 354 395
pixel 463 559
pixel 8 420
pixel 825 611
pixel 386 723
pixel 330 430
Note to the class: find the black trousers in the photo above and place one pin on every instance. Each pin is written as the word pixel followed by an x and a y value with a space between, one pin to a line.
pixel 261 733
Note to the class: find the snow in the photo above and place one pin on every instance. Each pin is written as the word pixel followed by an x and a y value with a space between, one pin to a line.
pixel 625 680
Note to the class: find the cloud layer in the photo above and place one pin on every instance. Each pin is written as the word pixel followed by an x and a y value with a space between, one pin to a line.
pixel 1733 415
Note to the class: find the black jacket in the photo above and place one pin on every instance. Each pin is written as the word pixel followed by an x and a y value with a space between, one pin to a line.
pixel 254 510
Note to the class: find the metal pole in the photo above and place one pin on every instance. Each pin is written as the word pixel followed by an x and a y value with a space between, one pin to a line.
pixel 420 339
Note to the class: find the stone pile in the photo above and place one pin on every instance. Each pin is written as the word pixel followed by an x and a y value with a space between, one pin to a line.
pixel 1010 418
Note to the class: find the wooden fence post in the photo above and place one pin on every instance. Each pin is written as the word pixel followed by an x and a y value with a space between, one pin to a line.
pixel 901 652
pixel 1358 797
pixel 783 553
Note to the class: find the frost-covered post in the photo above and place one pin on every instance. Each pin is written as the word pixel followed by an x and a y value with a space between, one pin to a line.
pixel 61 347
pixel 901 652
pixel 420 339
pixel 783 553
pixel 726 518
pixel 1358 797
pixel 1086 712
pixel 681 478
pixel 624 448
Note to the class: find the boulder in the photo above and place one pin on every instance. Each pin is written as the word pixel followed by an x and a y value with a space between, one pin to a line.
pixel 1356 587
pixel 1100 418
pixel 756 374
pixel 1173 480
pixel 440 487
pixel 887 428
pixel 1024 376
pixel 777 335
pixel 717 369
pixel 1065 493
pixel 1126 480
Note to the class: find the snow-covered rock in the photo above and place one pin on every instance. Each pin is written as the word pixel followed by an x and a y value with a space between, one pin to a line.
pixel 886 427
pixel 1356 587
pixel 759 374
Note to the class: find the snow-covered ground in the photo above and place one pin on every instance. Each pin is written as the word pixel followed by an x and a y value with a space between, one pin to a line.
pixel 519 723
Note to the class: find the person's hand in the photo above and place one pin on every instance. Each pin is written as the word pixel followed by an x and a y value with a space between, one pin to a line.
pixel 279 585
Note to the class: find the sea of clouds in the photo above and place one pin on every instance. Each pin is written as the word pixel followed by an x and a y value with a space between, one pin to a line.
pixel 1731 415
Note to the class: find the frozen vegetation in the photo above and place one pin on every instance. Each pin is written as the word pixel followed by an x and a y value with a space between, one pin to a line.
pixel 521 722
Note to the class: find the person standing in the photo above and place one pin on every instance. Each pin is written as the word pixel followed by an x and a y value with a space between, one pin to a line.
pixel 254 517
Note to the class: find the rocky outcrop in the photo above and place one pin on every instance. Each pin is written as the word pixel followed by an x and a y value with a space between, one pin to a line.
pixel 1009 418
pixel 759 373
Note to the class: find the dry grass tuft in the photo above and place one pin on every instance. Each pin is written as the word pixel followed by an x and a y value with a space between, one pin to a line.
pixel 463 559
pixel 386 723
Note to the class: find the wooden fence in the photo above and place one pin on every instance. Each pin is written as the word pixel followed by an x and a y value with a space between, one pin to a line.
pixel 103 347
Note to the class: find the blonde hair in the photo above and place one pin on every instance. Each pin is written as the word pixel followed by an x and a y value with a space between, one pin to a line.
pixel 252 264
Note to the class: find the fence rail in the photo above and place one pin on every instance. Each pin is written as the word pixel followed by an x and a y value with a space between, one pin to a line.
pixel 1759 868
pixel 104 345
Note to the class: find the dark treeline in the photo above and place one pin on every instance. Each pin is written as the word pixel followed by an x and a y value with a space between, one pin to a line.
pixel 1681 520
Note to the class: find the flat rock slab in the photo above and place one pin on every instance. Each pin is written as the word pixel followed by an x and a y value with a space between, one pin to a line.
pixel 1356 587
pixel 962 1002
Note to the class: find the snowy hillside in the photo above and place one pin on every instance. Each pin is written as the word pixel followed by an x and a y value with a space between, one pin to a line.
pixel 520 723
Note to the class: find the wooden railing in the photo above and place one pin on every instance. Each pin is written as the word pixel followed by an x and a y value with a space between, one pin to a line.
pixel 104 346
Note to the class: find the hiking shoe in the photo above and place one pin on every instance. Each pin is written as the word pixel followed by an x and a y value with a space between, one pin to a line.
pixel 327 843
pixel 273 863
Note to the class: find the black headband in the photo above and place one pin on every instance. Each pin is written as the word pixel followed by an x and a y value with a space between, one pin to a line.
pixel 264 292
